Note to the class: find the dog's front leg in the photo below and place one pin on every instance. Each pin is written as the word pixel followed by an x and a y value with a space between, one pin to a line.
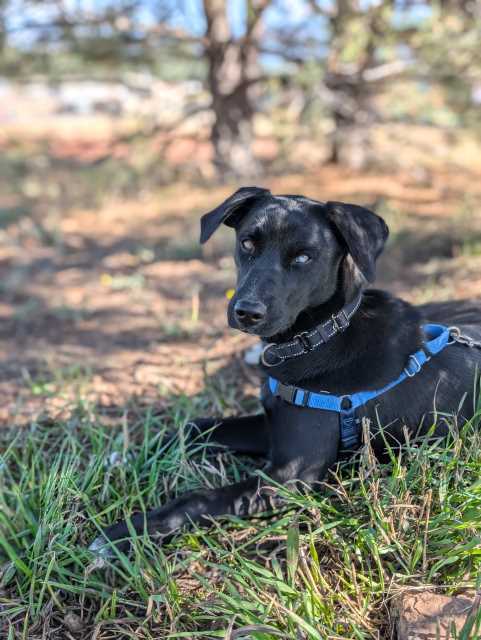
pixel 249 497
pixel 246 434
pixel 304 446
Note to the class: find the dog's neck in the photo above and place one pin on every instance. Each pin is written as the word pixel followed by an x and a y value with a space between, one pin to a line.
pixel 368 354
pixel 310 318
pixel 350 285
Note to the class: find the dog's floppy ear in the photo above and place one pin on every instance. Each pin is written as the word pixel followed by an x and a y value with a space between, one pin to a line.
pixel 363 232
pixel 225 211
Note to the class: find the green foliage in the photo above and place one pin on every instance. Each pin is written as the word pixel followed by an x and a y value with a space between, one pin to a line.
pixel 447 45
pixel 321 568
pixel 433 45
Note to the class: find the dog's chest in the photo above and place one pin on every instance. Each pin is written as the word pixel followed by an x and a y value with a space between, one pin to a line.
pixel 445 387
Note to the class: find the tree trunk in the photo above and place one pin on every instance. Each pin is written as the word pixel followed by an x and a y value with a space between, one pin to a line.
pixel 3 27
pixel 231 79
pixel 352 117
pixel 351 109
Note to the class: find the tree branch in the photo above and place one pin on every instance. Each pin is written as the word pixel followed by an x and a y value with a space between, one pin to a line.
pixel 255 9
pixel 387 70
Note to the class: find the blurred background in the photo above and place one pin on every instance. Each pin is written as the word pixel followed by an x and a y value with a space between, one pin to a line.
pixel 122 122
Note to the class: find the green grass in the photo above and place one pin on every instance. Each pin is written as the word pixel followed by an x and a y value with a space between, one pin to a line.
pixel 327 567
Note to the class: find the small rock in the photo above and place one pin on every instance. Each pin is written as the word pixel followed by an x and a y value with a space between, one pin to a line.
pixel 426 615
pixel 73 622
pixel 253 355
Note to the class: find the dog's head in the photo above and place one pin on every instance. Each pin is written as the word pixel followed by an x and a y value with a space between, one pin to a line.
pixel 291 253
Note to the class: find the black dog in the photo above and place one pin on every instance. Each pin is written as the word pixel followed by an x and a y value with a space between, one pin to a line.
pixel 302 271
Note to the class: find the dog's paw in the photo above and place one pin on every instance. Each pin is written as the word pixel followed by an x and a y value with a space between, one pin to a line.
pixel 101 548
pixel 113 539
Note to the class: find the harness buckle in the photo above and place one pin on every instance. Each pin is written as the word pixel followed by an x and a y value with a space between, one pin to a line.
pixel 417 367
pixel 340 321
pixel 305 398
pixel 350 436
pixel 286 392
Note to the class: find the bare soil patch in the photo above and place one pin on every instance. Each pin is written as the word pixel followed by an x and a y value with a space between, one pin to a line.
pixel 116 304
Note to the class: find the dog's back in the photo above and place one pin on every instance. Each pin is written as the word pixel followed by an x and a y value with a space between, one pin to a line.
pixel 453 312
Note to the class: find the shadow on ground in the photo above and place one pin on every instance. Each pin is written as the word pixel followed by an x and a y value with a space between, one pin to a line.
pixel 112 299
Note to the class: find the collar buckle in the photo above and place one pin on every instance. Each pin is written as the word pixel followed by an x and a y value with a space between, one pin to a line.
pixel 303 338
pixel 340 320
pixel 310 340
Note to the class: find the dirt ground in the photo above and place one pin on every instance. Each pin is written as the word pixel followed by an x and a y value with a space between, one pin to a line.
pixel 115 305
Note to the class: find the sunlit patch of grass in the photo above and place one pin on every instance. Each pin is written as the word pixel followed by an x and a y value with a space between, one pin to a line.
pixel 326 567
pixel 471 247
pixel 186 249
pixel 57 381
pixel 179 330
pixel 12 215
pixel 393 215
pixel 429 291
pixel 34 172
pixel 130 282
pixel 68 313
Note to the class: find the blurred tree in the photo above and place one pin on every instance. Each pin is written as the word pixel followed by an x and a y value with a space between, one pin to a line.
pixel 374 42
pixel 3 29
pixel 363 55
pixel 116 35
pixel 356 46
pixel 233 76
pixel 448 47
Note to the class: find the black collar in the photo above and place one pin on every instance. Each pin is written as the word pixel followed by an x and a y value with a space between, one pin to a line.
pixel 275 354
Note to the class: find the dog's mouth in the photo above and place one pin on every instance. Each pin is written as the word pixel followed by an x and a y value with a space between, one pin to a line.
pixel 264 330
pixel 257 316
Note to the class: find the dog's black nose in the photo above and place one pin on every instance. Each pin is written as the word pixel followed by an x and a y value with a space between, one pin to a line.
pixel 249 312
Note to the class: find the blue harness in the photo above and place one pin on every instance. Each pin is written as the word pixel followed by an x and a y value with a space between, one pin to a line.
pixel 438 336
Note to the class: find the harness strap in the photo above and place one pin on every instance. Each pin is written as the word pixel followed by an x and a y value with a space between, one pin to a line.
pixel 346 405
pixel 274 354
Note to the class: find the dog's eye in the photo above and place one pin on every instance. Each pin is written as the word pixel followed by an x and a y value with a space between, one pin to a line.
pixel 302 258
pixel 247 245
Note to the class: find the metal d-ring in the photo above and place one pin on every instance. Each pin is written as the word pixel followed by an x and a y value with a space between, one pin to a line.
pixel 454 334
pixel 462 338
pixel 263 360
